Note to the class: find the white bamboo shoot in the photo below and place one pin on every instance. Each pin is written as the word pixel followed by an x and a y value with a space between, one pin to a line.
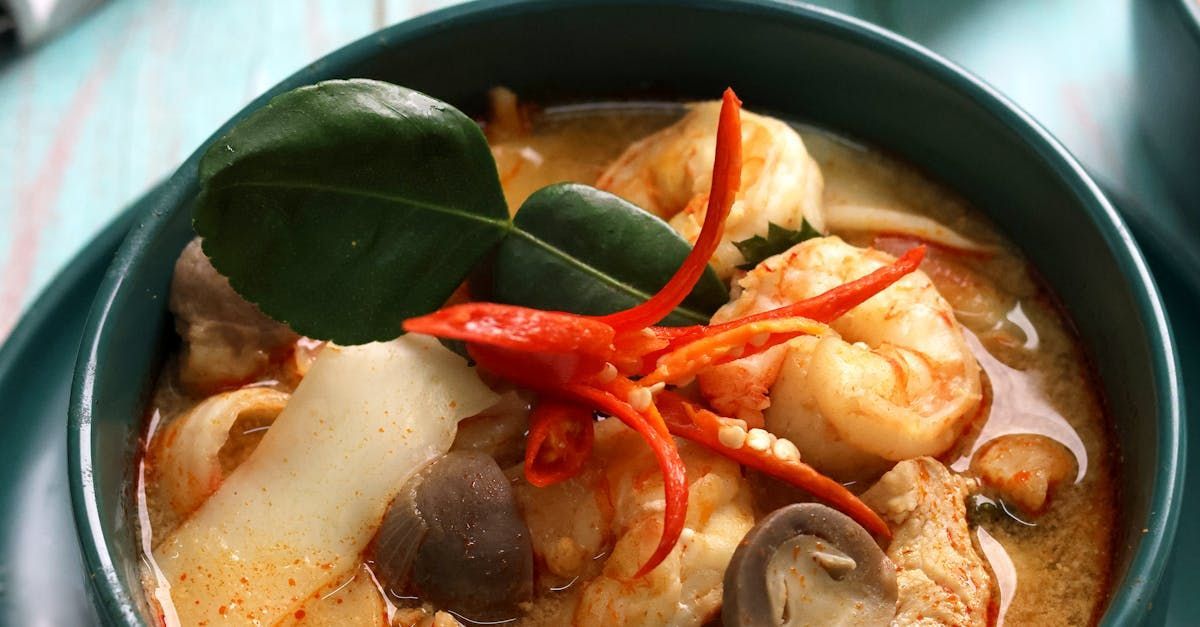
pixel 300 510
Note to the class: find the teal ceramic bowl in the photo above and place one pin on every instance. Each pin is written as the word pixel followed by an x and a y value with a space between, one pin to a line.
pixel 803 62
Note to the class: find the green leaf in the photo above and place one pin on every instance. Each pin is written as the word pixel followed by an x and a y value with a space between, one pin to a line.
pixel 345 207
pixel 582 250
pixel 778 240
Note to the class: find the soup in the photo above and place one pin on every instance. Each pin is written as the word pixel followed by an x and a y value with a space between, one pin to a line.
pixel 955 405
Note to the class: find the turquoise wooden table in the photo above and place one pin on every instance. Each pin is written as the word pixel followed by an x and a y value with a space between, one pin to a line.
pixel 93 118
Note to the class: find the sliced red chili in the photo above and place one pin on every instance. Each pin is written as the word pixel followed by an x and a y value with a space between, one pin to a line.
pixel 825 307
pixel 741 341
pixel 517 328
pixel 674 474
pixel 541 372
pixel 560 441
pixel 726 182
pixel 702 427
pixel 834 303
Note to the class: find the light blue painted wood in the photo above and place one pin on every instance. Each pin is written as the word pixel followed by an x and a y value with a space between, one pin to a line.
pixel 93 118
pixel 96 116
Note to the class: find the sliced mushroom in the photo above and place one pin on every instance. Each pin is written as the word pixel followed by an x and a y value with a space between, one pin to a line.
pixel 808 564
pixel 454 537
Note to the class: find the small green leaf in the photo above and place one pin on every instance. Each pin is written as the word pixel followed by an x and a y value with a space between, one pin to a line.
pixel 345 207
pixel 778 240
pixel 578 249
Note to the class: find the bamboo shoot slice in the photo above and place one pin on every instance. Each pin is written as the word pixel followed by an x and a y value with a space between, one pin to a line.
pixel 300 510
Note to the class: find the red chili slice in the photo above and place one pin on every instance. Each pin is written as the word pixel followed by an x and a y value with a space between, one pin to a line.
pixel 701 426
pixel 560 442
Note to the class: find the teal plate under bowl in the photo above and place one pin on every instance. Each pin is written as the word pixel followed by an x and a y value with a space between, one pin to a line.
pixel 806 63
pixel 42 576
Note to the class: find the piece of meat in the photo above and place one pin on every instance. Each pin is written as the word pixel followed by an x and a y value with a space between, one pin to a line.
pixel 942 578
pixel 227 341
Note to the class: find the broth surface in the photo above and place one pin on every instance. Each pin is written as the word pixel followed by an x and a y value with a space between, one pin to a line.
pixel 1051 571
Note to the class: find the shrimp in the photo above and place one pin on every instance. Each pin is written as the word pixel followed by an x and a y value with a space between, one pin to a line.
pixel 186 457
pixel 669 174
pixel 1025 469
pixel 894 379
pixel 615 506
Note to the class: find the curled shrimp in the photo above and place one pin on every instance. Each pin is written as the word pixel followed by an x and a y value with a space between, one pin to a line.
pixel 892 379
pixel 669 174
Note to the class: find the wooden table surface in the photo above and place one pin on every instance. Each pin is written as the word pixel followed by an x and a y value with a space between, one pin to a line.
pixel 93 118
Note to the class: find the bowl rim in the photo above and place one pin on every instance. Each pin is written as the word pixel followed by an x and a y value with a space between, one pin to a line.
pixel 1126 603
pixel 1191 10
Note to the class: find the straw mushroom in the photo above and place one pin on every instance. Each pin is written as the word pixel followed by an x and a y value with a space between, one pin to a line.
pixel 808 564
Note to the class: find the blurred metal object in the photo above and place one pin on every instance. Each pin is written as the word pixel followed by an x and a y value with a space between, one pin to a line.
pixel 25 23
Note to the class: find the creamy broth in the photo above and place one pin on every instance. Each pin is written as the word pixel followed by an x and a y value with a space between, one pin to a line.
pixel 1060 564
pixel 1048 571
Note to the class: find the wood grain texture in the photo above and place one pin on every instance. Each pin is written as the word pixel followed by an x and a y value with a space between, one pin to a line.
pixel 95 117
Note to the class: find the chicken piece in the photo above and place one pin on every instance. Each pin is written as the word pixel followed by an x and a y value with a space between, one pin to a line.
pixel 227 341
pixel 942 579
pixel 1024 469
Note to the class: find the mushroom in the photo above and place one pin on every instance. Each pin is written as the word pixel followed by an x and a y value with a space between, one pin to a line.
pixel 454 537
pixel 808 564
pixel 1025 469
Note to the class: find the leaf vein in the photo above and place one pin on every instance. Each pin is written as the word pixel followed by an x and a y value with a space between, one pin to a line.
pixel 503 224
pixel 603 277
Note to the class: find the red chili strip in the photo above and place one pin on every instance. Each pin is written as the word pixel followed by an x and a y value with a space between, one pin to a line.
pixel 831 305
pixel 541 372
pixel 560 441
pixel 674 474
pixel 701 426
pixel 713 350
pixel 825 307
pixel 517 328
pixel 726 182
